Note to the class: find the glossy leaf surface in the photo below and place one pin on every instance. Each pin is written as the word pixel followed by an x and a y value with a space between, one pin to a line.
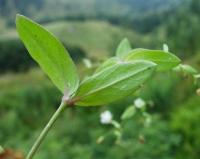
pixel 164 60
pixel 49 53
pixel 113 83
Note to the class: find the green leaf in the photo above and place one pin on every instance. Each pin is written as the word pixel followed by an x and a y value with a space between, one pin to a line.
pixel 164 60
pixel 114 83
pixel 116 124
pixel 111 61
pixel 49 53
pixel 114 60
pixel 186 69
pixel 128 113
pixel 123 48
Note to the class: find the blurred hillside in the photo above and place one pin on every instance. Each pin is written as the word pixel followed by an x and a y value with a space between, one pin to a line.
pixel 171 21
pixel 126 12
pixel 157 18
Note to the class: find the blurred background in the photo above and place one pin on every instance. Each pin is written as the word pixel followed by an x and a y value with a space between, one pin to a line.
pixel 92 29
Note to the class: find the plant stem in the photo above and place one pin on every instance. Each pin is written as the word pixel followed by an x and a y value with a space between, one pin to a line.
pixel 46 130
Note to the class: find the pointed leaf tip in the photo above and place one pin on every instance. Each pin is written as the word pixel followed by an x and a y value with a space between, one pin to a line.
pixel 123 48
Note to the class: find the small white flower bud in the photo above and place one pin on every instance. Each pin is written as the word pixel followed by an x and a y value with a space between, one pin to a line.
pixel 165 48
pixel 198 91
pixel 106 117
pixel 139 103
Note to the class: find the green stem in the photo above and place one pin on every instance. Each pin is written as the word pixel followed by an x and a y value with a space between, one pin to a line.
pixel 46 130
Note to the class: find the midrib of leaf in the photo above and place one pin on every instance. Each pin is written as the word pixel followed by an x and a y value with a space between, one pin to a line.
pixel 115 82
pixel 165 61
pixel 172 61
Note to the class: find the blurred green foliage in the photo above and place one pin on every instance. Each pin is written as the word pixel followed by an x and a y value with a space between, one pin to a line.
pixel 27 107
pixel 28 99
pixel 186 38
pixel 163 88
pixel 13 56
pixel 185 121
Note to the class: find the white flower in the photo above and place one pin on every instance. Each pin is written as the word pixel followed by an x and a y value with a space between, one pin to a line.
pixel 106 117
pixel 165 48
pixel 139 103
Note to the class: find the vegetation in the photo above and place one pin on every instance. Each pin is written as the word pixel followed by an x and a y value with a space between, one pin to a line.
pixel 188 112
pixel 130 69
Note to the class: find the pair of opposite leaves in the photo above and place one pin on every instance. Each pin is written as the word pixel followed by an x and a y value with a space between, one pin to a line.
pixel 116 78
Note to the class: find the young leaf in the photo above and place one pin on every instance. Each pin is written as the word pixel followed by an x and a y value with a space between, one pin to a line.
pixel 114 82
pixel 165 61
pixel 49 53
pixel 113 60
pixel 123 48
pixel 128 113
pixel 185 69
